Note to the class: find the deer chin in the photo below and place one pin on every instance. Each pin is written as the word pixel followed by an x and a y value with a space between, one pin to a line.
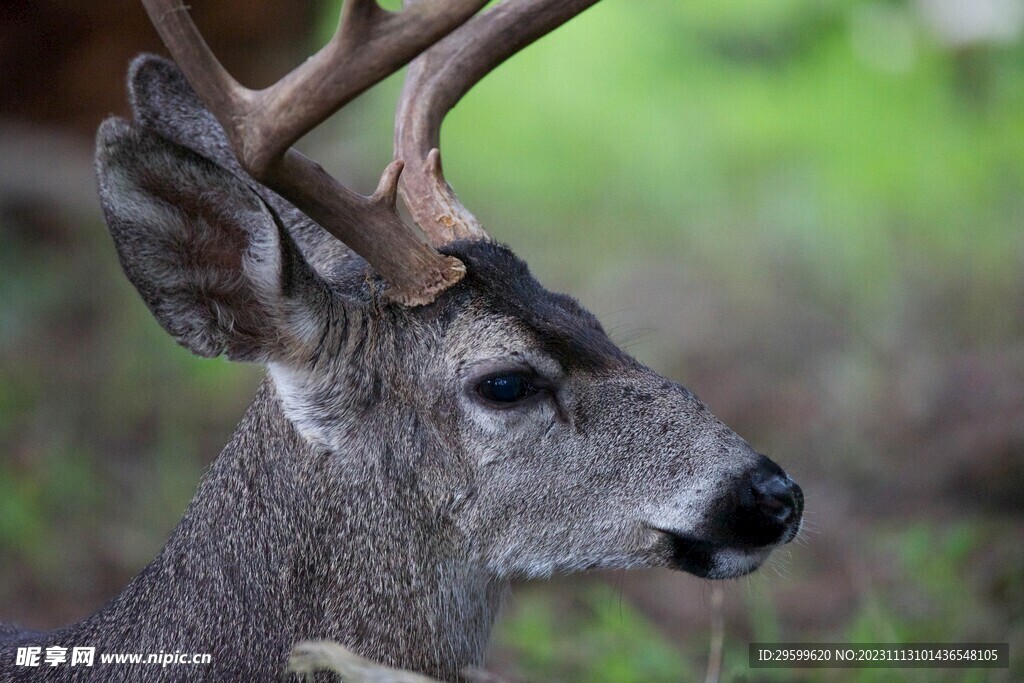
pixel 707 559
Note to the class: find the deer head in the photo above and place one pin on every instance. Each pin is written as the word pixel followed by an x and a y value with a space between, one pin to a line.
pixel 491 425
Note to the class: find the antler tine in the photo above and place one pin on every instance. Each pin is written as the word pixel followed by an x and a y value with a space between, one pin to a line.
pixel 435 82
pixel 369 44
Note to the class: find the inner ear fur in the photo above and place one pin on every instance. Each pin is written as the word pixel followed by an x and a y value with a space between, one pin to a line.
pixel 208 256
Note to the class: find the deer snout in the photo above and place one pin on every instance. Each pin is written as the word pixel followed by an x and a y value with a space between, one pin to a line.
pixel 769 506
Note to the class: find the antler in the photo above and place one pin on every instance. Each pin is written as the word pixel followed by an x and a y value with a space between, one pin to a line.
pixel 370 44
pixel 437 80
pixel 262 125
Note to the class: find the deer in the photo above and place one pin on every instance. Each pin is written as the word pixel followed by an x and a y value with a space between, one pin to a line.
pixel 433 423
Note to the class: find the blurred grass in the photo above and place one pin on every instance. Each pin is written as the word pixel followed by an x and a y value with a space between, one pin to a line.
pixel 597 636
pixel 930 594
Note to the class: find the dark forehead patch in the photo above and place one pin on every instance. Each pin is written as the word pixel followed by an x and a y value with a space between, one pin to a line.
pixel 566 330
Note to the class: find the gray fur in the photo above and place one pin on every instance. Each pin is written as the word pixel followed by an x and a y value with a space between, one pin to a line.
pixel 369 495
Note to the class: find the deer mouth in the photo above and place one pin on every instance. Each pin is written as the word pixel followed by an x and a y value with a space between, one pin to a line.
pixel 707 559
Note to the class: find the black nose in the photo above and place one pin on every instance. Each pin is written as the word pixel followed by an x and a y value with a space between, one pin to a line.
pixel 769 506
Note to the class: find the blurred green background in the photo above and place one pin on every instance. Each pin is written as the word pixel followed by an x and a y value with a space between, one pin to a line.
pixel 807 211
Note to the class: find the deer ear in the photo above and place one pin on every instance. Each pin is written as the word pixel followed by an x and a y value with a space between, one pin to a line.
pixel 163 101
pixel 207 254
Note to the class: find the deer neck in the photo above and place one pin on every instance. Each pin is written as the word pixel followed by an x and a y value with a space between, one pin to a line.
pixel 285 542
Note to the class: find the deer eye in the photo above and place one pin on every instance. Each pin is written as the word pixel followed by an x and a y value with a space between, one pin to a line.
pixel 506 388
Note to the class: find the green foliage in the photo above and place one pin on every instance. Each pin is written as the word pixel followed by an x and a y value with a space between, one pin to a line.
pixel 930 594
pixel 599 637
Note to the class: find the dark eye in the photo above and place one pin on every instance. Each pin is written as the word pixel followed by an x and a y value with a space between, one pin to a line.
pixel 507 388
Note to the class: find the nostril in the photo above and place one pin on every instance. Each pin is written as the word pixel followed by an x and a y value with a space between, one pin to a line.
pixel 766 507
pixel 775 496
